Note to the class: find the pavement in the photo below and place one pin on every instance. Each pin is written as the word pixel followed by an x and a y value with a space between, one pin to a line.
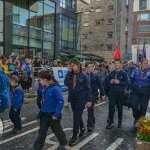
pixel 99 139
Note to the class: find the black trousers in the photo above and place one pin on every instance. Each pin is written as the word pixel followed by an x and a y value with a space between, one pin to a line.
pixel 91 117
pixel 14 116
pixel 115 99
pixel 77 108
pixel 46 121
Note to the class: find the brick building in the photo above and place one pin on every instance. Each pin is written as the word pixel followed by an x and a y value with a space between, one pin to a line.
pixel 141 24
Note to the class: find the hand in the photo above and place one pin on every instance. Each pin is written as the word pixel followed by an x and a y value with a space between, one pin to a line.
pixel 117 81
pixel 112 81
pixel 88 104
pixel 54 118
pixel 103 98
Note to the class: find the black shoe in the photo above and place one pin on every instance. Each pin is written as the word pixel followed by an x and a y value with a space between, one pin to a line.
pixel 90 129
pixel 82 131
pixel 110 126
pixel 73 141
pixel 16 131
pixel 61 147
pixel 119 125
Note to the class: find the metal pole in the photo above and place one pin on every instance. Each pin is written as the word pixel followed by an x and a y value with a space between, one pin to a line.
pixel 138 41
pixel 81 35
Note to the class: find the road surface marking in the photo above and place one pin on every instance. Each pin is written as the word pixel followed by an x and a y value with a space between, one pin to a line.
pixel 79 145
pixel 97 105
pixel 115 145
pixel 85 141
pixel 18 136
pixel 24 125
pixel 5 121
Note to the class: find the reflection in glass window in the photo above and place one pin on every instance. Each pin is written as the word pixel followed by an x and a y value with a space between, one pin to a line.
pixel 68 4
pixel 144 17
pixel 67 33
pixel 18 40
pixel 49 16
pixel 1 37
pixel 143 28
pixel 1 10
pixel 142 4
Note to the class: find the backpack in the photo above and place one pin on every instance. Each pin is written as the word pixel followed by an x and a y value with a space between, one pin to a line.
pixel 4 92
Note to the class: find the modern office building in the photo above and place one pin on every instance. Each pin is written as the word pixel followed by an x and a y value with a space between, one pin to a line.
pixel 141 32
pixel 37 27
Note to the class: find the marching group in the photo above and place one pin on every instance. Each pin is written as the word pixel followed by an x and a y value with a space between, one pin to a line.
pixel 120 82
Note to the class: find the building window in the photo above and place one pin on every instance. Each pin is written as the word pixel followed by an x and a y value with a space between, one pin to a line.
pixel 98 10
pixel 85 36
pixel 86 24
pixel 86 13
pixel 110 8
pixel 110 21
pixel 98 22
pixel 68 5
pixel 142 4
pixel 109 34
pixel 143 28
pixel 109 47
pixel 143 17
pixel 84 47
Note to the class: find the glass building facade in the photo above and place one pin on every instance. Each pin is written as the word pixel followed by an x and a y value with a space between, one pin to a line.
pixel 37 28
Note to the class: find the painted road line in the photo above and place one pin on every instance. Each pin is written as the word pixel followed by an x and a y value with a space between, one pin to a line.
pixel 85 141
pixel 5 121
pixel 18 136
pixel 97 105
pixel 23 125
pixel 76 147
pixel 9 123
pixel 115 145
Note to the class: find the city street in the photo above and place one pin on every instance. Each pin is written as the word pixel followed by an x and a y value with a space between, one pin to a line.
pixel 99 139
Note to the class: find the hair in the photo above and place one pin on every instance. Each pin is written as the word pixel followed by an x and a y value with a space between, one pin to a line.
pixel 118 60
pixel 77 62
pixel 45 74
pixel 14 78
pixel 144 60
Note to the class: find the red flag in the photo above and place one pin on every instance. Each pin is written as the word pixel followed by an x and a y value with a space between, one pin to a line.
pixel 117 52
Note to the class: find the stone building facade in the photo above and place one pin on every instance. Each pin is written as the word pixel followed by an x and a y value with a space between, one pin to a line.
pixel 102 24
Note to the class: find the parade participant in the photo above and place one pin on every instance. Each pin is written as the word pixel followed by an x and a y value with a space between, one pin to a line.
pixel 39 89
pixel 96 84
pixel 79 96
pixel 17 98
pixel 140 90
pixel 4 91
pixel 118 80
pixel 130 68
pixel 52 105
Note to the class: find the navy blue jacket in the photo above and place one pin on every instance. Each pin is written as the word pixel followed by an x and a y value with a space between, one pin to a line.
pixel 122 77
pixel 129 70
pixel 140 79
pixel 96 83
pixel 82 90
pixel 53 100
pixel 17 97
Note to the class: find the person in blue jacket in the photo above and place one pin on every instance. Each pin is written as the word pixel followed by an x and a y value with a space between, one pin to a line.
pixel 79 95
pixel 118 80
pixel 4 91
pixel 50 116
pixel 16 98
pixel 140 90
pixel 130 68
pixel 96 84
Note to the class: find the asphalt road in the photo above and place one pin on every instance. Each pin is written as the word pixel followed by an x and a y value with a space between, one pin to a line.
pixel 99 139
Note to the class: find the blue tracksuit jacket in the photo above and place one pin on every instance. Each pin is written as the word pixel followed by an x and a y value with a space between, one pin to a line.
pixel 17 97
pixel 53 100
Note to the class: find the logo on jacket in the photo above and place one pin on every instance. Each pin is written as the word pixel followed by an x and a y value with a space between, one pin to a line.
pixel 1 127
